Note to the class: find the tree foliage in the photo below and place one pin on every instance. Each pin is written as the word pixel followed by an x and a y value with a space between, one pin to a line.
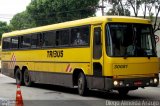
pixel 118 8
pixel 21 21
pixel 135 5
pixel 147 6
pixel 121 7
pixel 54 11
pixel 44 12
pixel 3 28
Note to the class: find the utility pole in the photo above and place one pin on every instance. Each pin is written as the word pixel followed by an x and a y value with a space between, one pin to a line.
pixel 136 7
pixel 102 8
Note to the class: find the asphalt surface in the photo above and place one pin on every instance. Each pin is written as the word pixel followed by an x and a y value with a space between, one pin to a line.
pixel 51 95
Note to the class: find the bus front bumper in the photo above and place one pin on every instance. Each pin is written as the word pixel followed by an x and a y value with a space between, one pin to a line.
pixel 136 82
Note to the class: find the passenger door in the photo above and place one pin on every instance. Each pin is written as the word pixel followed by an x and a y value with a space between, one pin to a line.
pixel 97 58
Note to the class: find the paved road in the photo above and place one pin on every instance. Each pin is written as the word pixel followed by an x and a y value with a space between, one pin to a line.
pixel 42 95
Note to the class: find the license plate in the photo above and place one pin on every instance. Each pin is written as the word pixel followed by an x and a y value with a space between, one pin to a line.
pixel 138 83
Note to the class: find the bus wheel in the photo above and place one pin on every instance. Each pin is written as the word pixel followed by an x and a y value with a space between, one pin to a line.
pixel 19 76
pixel 82 85
pixel 123 92
pixel 27 78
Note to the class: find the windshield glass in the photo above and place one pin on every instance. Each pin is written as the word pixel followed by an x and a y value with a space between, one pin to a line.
pixel 130 40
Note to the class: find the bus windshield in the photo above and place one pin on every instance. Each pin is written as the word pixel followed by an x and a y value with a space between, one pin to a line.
pixel 130 40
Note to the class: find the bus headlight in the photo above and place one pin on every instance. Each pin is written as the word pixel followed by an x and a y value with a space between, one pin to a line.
pixel 115 83
pixel 155 80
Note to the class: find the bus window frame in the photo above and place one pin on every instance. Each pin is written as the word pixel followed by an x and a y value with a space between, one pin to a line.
pixel 51 47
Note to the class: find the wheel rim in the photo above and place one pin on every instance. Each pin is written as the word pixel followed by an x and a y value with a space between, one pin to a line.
pixel 26 77
pixel 18 77
pixel 80 85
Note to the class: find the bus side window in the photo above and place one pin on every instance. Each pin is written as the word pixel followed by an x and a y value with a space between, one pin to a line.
pixel 85 34
pixel 49 39
pixel 74 33
pixel 97 43
pixel 26 41
pixel 40 40
pixel 6 43
pixel 80 36
pixel 34 41
pixel 62 38
pixel 14 43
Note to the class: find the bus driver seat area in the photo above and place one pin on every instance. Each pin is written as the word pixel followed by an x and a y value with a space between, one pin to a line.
pixel 119 49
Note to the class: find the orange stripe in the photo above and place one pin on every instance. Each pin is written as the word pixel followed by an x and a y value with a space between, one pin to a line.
pixel 67 67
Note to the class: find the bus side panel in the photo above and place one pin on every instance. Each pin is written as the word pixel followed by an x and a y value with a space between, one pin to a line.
pixel 7 64
pixel 6 70
pixel 58 70
pixel 52 78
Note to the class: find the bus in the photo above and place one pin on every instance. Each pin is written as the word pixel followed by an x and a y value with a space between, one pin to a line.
pixel 96 53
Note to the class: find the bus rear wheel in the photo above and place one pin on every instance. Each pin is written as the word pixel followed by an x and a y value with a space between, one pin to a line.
pixel 82 85
pixel 19 76
pixel 27 78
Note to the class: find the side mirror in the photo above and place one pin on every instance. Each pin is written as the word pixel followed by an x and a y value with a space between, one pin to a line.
pixel 156 38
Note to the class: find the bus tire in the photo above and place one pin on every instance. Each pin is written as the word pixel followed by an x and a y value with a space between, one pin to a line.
pixel 123 92
pixel 27 78
pixel 19 76
pixel 82 85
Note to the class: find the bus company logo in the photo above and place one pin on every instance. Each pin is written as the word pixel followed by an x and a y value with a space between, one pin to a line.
pixel 12 62
pixel 69 68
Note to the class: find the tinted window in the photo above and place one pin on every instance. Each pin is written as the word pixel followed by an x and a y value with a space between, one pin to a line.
pixel 49 39
pixel 34 41
pixel 14 42
pixel 62 37
pixel 80 35
pixel 40 42
pixel 130 40
pixel 26 41
pixel 6 43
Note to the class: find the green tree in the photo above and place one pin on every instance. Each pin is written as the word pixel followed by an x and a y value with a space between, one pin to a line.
pixel 53 11
pixel 3 28
pixel 147 6
pixel 135 5
pixel 22 21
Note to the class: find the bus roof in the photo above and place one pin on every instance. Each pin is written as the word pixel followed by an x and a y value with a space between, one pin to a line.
pixel 86 21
